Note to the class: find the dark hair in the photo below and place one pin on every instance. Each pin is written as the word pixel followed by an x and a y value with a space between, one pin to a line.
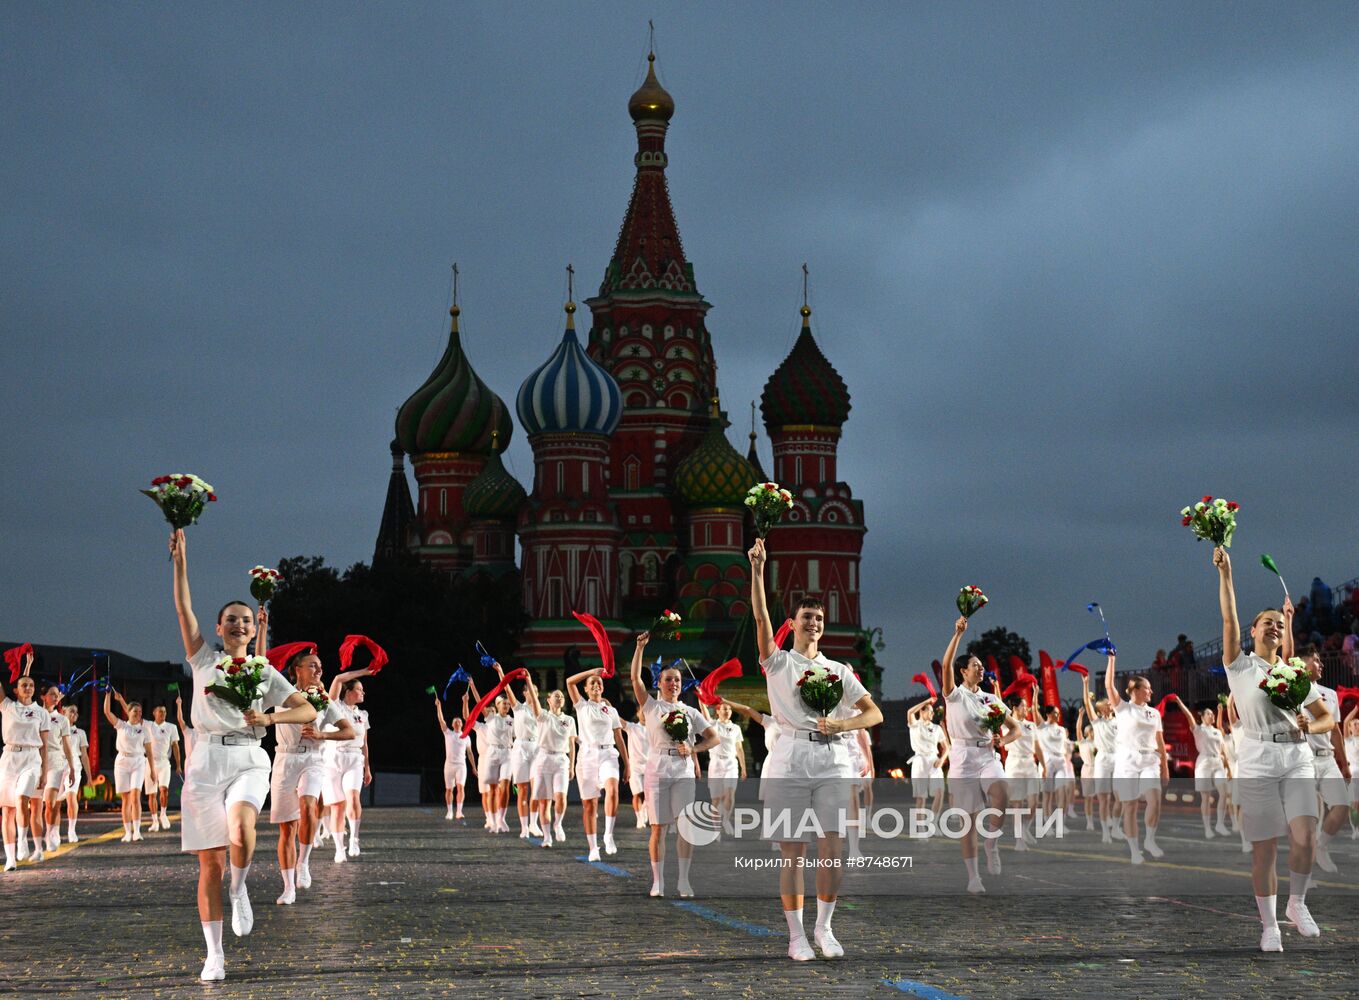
pixel 1049 709
pixel 810 602
pixel 960 662
pixel 48 686
pixel 290 668
pixel 348 686
pixel 1311 649
pixel 666 670
pixel 228 604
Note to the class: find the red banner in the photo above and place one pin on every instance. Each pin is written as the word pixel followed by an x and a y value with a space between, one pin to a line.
pixel 1049 671
pixel 601 640
pixel 707 688
pixel 490 696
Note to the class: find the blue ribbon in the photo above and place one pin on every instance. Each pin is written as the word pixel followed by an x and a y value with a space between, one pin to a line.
pixel 458 676
pixel 487 660
pixel 689 685
pixel 1096 646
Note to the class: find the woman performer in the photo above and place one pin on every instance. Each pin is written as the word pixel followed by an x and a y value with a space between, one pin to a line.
pixel 975 776
pixel 485 790
pixel 457 752
pixel 80 743
pixel 22 766
pixel 601 748
pixel 1276 770
pixel 1231 746
pixel 495 756
pixel 1085 748
pixel 1352 755
pixel 1331 762
pixel 349 771
pixel 1210 766
pixel 1140 763
pixel 1053 740
pixel 299 769
pixel 164 742
pixel 554 761
pixel 1105 733
pixel 637 756
pixel 61 763
pixel 726 762
pixel 809 769
pixel 523 750
pixel 1024 766
pixel 860 783
pixel 134 757
pixel 669 776
pixel 228 776
pixel 929 745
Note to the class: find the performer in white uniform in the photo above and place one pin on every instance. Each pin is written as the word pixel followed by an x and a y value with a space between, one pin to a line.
pixel 638 747
pixel 1332 764
pixel 1210 767
pixel 726 762
pixel 523 749
pixel 808 770
pixel 669 775
pixel 860 781
pixel 1085 747
pixel 457 753
pixel 929 747
pixel 485 788
pixel 80 744
pixel 553 762
pixel 1352 755
pixel 1105 732
pixel 1276 767
pixel 498 730
pixel 1056 745
pixel 134 757
pixel 1024 765
pixel 976 779
pixel 24 725
pixel 300 771
pixel 1141 766
pixel 602 747
pixel 228 775
pixel 61 761
pixel 165 742
pixel 348 771
pixel 1231 745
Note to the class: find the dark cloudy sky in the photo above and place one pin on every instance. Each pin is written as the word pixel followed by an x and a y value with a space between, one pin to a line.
pixel 1078 263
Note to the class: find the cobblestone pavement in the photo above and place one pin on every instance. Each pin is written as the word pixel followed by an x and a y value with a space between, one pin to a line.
pixel 433 908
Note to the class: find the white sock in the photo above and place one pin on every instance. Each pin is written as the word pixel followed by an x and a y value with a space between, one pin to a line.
pixel 1133 849
pixel 70 827
pixel 590 839
pixel 212 936
pixel 137 827
pixel 11 854
pixel 608 827
pixel 971 864
pixel 304 855
pixel 824 911
pixel 238 876
pixel 1323 838
pixel 1151 835
pixel 338 837
pixel 1297 886
pixel 1267 905
pixel 127 828
pixel 795 931
pixel 658 872
pixel 289 879
pixel 684 870
pixel 353 830
pixel 523 823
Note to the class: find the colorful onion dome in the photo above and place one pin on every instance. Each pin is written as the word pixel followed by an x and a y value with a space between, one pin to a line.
pixel 453 411
pixel 715 474
pixel 494 493
pixel 805 389
pixel 570 393
pixel 651 101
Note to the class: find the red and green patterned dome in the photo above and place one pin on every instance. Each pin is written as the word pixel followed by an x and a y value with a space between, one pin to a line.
pixel 805 389
pixel 494 493
pixel 715 474
pixel 454 411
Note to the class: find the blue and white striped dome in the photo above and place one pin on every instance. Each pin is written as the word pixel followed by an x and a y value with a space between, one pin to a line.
pixel 570 393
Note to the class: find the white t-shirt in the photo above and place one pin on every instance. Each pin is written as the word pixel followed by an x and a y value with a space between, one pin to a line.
pixel 773 732
pixel 498 730
pixel 597 721
pixel 213 716
pixel 525 724
pixel 654 711
pixel 358 718
pixel 1322 741
pixel 784 669
pixel 289 734
pixel 455 746
pixel 638 743
pixel 1259 715
pixel 1208 742
pixel 964 709
pixel 1053 739
pixel 1136 726
pixel 729 740
pixel 131 739
pixel 24 725
pixel 555 731
pixel 1021 750
pixel 59 729
pixel 1106 735
pixel 162 735
pixel 1087 750
pixel 79 743
pixel 1352 754
pixel 925 738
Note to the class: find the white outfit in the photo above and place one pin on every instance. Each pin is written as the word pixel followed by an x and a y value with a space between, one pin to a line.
pixel 1352 757
pixel 1055 743
pixel 550 771
pixel 669 779
pixel 1086 748
pixel 497 732
pixel 1021 769
pixel 455 759
pixel 58 733
pixel 227 765
pixel 1330 782
pixel 525 745
pixel 300 768
pixel 1209 771
pixel 1137 762
pixel 597 761
pixel 1276 771
pixel 345 760
pixel 79 743
pixel 638 747
pixel 724 769
pixel 973 766
pixel 927 768
pixel 25 729
pixel 163 734
pixel 129 767
pixel 773 732
pixel 1106 752
pixel 806 771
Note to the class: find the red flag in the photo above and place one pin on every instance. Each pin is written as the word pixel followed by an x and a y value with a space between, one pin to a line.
pixel 1161 705
pixel 1049 670
pixel 352 642
pixel 938 669
pixel 924 679
pixel 1076 668
pixel 490 696
pixel 707 688
pixel 15 658
pixel 279 656
pixel 1344 694
pixel 601 640
pixel 781 636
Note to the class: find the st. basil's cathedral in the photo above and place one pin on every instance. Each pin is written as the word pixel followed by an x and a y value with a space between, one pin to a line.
pixel 637 502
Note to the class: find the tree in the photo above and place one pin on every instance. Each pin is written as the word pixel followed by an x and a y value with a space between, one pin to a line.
pixel 1001 643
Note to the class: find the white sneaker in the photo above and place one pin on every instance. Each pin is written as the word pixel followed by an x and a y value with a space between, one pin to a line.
pixel 155 825
pixel 137 835
pixel 798 949
pixel 1021 845
pixel 1299 916
pixel 547 839
pixel 339 854
pixel 1106 838
pixel 1136 858
pixel 1089 823
pixel 1207 833
pixel 992 859
pixel 1271 939
pixel 354 847
pixel 23 849
pixel 1323 860
pixel 37 856
pixel 658 891
pixel 1222 830
pixel 1117 832
pixel 830 948
pixel 975 886
pixel 124 839
pixel 594 854
pixel 71 838
pixel 686 890
pixel 164 820
pixel 304 875
pixel 524 834
pixel 641 821
pixel 242 916
pixel 53 839
pixel 323 836
pixel 1245 846
pixel 458 815
pixel 288 898
pixel 214 970
pixel 1152 848
pixel 610 847
pixel 11 865
pixel 448 814
pixel 559 833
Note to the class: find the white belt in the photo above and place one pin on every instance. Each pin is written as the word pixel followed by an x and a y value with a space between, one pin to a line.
pixel 21 747
pixel 132 755
pixel 234 740
pixel 602 746
pixel 980 742
pixel 1290 736
pixel 1323 753
pixel 553 753
pixel 298 749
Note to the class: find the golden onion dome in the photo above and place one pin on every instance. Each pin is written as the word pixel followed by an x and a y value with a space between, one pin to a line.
pixel 651 101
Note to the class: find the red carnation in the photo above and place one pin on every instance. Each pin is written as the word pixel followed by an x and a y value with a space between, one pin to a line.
pixel 238 659
pixel 1207 499
pixel 833 678
pixel 799 683
pixel 160 480
pixel 207 690
pixel 233 669
pixel 1233 505
pixel 183 482
pixel 212 497
pixel 1187 520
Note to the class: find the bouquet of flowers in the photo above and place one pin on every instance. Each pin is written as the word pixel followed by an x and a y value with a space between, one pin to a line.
pixel 993 718
pixel 1212 520
pixel 821 690
pixel 1287 684
pixel 263 583
pixel 971 600
pixel 180 498
pixel 666 626
pixel 676 725
pixel 318 698
pixel 240 681
pixel 768 502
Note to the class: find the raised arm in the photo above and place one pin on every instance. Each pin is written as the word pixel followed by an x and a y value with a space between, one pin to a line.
pixel 1111 683
pixel 639 690
pixel 261 629
pixel 1188 715
pixel 341 679
pixel 188 622
pixel 759 608
pixel 1289 646
pixel 959 627
pixel 1226 599
pixel 575 680
pixel 1087 701
pixel 509 688
pixel 108 709
pixel 439 714
pixel 750 713
pixel 179 715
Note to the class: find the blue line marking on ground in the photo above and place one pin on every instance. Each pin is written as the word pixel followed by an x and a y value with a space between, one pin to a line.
pixel 923 990
pixel 721 918
pixel 611 869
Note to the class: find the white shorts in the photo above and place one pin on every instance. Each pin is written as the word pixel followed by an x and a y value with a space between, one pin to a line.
pixel 55 778
pixel 1136 772
pixel 637 776
pixel 1209 775
pixel 455 773
pixel 71 784
pixel 495 767
pixel 1275 783
pixel 549 774
pixel 803 777
pixel 20 775
pixel 1056 778
pixel 927 777
pixel 521 761
pixel 1103 773
pixel 159 778
pixel 1022 778
pixel 973 770
pixel 218 777
pixel 668 793
pixel 295 775
pixel 593 770
pixel 344 775
pixel 724 773
pixel 1331 783
pixel 129 772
